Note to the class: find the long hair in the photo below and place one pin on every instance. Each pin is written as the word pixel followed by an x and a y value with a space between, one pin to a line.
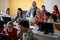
pixel 21 12
pixel 56 8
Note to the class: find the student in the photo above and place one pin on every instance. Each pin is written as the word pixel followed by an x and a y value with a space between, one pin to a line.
pixel 2 36
pixel 46 17
pixel 32 11
pixel 10 31
pixel 7 13
pixel 25 33
pixel 19 16
pixel 38 18
pixel 43 11
pixel 55 10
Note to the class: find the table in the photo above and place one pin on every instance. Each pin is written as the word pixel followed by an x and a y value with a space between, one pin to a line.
pixel 41 36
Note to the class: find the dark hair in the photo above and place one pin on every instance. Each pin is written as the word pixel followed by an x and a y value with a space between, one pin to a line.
pixel 21 11
pixel 43 6
pixel 56 8
pixel 34 2
pixel 8 9
pixel 24 23
pixel 48 14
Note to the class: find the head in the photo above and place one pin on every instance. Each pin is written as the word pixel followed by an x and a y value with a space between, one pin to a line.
pixel 8 11
pixel 55 7
pixel 46 15
pixel 19 11
pixel 43 7
pixel 38 13
pixel 9 25
pixel 34 4
pixel 24 25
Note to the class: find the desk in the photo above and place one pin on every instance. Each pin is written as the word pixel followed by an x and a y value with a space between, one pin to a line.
pixel 41 36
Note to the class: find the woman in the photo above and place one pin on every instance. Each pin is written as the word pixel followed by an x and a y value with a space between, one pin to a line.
pixel 38 18
pixel 19 16
pixel 7 13
pixel 43 11
pixel 55 12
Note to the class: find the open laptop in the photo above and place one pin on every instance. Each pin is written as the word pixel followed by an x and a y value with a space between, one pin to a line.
pixel 6 19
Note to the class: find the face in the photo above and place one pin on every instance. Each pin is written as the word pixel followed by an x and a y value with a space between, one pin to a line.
pixel 9 26
pixel 34 5
pixel 37 14
pixel 54 8
pixel 43 8
pixel 18 11
pixel 8 11
pixel 45 16
pixel 22 28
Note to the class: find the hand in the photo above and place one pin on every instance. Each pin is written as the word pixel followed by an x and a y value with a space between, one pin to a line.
pixel 19 39
pixel 6 31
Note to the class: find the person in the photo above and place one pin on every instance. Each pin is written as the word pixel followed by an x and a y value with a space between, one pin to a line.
pixel 55 12
pixel 10 31
pixel 25 33
pixel 38 18
pixel 43 11
pixel 7 13
pixel 19 16
pixel 46 16
pixel 32 11
pixel 2 36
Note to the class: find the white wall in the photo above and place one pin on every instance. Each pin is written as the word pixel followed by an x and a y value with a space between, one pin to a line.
pixel 3 5
pixel 50 3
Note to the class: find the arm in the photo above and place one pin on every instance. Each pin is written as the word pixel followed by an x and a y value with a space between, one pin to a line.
pixel 28 12
pixel 15 19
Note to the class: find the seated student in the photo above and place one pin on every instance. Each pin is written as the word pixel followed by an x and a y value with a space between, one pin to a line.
pixel 25 33
pixel 19 16
pixel 7 13
pixel 43 11
pixel 2 36
pixel 55 10
pixel 10 31
pixel 46 16
pixel 38 18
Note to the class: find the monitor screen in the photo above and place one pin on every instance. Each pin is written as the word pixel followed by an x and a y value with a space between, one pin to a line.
pixel 6 19
pixel 46 27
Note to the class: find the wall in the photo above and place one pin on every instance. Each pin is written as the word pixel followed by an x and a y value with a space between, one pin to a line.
pixel 3 5
pixel 24 4
pixel 49 4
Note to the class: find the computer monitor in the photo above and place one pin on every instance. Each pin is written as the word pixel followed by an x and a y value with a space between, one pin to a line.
pixel 6 19
pixel 46 27
pixel 1 25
